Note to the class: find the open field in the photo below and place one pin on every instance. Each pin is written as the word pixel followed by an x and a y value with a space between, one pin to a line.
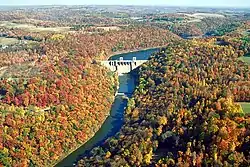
pixel 14 41
pixel 197 17
pixel 8 41
pixel 23 70
pixel 245 107
pixel 32 28
pixel 245 59
pixel 109 28
pixel 203 15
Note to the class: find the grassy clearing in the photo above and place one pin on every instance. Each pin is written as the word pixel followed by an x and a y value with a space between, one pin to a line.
pixel 109 28
pixel 245 107
pixel 23 70
pixel 204 15
pixel 245 59
pixel 8 41
pixel 51 29
pixel 14 41
pixel 32 28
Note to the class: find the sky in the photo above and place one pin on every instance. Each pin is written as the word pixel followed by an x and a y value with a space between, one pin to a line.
pixel 209 3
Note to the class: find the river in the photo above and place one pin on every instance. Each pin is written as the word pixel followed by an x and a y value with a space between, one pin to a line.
pixel 114 121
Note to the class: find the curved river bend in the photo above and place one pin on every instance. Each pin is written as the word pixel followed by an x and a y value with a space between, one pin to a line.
pixel 114 121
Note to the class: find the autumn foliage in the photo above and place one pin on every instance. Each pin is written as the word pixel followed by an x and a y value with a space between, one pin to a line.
pixel 184 111
pixel 45 116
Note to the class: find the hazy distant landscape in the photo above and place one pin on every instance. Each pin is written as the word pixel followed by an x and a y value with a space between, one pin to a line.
pixel 70 96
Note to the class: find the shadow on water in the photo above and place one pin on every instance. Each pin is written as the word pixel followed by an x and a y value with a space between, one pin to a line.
pixel 114 122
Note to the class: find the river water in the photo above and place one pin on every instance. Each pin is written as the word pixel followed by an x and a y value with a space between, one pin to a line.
pixel 140 55
pixel 114 121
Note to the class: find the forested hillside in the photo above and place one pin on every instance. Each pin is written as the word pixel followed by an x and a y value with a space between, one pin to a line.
pixel 184 111
pixel 63 96
pixel 190 107
pixel 207 26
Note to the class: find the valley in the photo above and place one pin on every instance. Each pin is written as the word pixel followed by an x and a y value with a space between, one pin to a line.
pixel 178 97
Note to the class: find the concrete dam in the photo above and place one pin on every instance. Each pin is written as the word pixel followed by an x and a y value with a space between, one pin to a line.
pixel 123 66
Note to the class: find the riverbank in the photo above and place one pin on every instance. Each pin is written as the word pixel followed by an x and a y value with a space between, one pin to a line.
pixel 74 149
pixel 98 127
pixel 109 128
pixel 107 116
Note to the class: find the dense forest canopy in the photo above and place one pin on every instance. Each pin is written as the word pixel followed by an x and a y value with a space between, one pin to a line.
pixel 68 97
pixel 185 111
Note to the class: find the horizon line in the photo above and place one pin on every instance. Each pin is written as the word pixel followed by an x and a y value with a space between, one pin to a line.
pixel 147 5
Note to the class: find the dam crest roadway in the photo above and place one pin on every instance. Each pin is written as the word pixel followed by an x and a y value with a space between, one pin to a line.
pixel 122 66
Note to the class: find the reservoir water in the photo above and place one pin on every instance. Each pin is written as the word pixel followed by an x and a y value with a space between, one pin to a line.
pixel 140 55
